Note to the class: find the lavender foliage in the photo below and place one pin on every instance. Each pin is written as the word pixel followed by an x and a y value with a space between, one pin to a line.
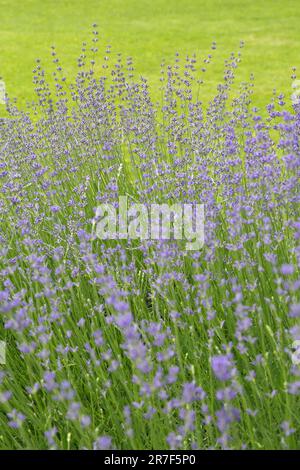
pixel 140 344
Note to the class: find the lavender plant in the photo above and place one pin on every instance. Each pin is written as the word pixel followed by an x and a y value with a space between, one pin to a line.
pixel 130 344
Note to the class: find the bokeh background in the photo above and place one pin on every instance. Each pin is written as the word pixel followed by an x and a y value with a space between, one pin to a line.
pixel 152 30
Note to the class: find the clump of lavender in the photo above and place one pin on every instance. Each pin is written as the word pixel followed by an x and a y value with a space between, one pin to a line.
pixel 141 345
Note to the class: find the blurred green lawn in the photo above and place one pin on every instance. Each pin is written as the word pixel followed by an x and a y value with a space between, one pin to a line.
pixel 152 30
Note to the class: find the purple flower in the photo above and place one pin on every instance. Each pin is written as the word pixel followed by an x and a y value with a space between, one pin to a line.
pixel 50 435
pixel 286 427
pixel 103 443
pixel 295 310
pixel 16 419
pixel 222 367
pixel 124 320
pixel 287 269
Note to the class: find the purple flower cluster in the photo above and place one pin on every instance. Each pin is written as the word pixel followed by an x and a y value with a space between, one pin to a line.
pixel 141 344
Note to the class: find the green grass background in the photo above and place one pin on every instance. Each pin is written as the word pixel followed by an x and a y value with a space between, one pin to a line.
pixel 151 30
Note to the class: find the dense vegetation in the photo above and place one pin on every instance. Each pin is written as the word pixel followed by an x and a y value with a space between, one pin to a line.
pixel 135 344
